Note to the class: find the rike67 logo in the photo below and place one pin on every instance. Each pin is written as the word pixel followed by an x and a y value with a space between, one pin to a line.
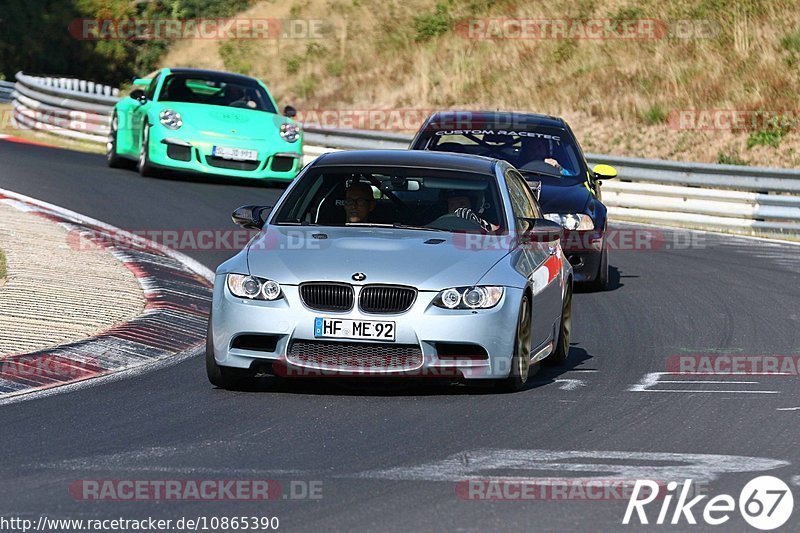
pixel 765 503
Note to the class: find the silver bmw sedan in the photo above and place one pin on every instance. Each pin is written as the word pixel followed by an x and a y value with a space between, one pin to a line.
pixel 394 264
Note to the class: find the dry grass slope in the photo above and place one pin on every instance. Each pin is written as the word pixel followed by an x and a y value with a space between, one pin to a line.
pixel 619 94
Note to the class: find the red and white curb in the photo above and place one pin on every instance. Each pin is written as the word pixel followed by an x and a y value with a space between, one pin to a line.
pixel 172 328
pixel 20 140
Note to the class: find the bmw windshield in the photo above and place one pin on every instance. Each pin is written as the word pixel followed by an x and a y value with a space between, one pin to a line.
pixel 547 152
pixel 404 198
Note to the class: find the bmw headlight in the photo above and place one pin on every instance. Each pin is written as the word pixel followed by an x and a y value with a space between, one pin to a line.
pixel 171 119
pixel 253 288
pixel 483 297
pixel 290 132
pixel 572 222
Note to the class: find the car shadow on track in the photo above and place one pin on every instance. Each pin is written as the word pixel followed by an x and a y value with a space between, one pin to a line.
pixel 614 282
pixel 547 375
pixel 211 179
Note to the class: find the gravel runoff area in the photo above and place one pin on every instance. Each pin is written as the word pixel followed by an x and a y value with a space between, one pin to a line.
pixel 58 288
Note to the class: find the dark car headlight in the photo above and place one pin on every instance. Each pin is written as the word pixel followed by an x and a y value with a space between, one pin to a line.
pixel 572 222
pixel 171 119
pixel 253 288
pixel 481 297
pixel 290 132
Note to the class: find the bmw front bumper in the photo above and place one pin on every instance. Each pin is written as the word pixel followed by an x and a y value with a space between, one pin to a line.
pixel 485 336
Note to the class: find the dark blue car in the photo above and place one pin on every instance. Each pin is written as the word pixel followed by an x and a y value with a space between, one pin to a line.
pixel 547 153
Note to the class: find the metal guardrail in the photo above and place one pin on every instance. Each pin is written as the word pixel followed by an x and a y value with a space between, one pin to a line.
pixel 67 107
pixel 6 88
pixel 742 199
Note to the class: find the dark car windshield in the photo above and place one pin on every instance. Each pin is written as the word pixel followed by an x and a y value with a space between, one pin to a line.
pixel 405 198
pixel 209 90
pixel 547 150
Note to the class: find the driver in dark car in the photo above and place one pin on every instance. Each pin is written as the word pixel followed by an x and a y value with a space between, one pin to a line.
pixel 535 149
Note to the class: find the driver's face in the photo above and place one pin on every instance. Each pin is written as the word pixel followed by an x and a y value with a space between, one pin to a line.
pixel 536 149
pixel 358 203
pixel 457 202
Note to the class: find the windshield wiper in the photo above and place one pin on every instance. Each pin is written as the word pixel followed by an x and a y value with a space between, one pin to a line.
pixel 409 226
pixel 296 223
pixel 540 173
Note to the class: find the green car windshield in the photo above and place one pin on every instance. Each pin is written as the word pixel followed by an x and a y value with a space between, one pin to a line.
pixel 195 89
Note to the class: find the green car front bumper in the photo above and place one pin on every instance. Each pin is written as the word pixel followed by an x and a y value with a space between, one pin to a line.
pixel 172 152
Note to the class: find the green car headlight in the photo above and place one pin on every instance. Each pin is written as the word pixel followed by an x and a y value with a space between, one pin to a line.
pixel 171 119
pixel 290 132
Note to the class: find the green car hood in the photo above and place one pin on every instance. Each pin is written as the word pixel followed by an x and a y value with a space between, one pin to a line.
pixel 225 122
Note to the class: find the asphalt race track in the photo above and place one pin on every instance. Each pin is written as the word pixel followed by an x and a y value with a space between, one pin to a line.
pixel 391 457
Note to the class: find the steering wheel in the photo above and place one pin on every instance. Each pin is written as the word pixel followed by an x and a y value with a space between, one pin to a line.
pixel 541 166
pixel 451 222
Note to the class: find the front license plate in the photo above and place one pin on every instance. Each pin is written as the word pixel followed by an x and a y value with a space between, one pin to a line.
pixel 235 154
pixel 353 329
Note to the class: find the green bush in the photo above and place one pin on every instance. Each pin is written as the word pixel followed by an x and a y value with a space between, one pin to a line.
pixel 306 87
pixel 432 25
pixel 655 115
pixel 293 64
pixel 766 137
pixel 730 158
pixel 235 54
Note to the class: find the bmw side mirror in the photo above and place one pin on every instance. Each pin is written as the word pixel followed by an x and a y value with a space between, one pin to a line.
pixel 605 172
pixel 250 216
pixel 289 111
pixel 542 230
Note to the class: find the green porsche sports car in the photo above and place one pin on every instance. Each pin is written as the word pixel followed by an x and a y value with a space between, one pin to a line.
pixel 205 121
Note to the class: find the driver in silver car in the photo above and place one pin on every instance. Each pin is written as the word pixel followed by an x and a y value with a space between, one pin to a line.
pixel 460 204
pixel 359 202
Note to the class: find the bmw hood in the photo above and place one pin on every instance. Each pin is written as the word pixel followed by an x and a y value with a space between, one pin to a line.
pixel 426 260
pixel 564 198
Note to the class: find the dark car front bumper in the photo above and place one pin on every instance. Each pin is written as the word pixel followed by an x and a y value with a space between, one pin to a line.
pixel 584 250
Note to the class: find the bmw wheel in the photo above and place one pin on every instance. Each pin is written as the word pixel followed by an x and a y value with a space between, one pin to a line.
pixel 521 360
